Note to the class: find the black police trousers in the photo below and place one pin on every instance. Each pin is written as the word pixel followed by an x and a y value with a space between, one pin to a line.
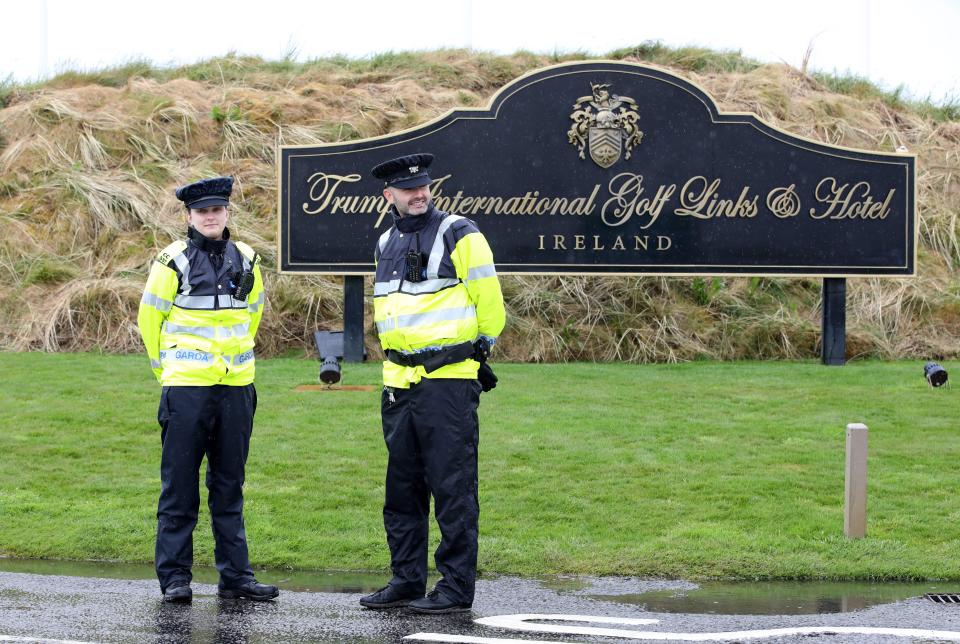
pixel 432 432
pixel 215 421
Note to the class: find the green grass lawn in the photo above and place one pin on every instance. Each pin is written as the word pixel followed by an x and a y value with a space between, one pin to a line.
pixel 699 470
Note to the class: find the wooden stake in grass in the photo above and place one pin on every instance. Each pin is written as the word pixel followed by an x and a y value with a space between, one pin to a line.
pixel 855 489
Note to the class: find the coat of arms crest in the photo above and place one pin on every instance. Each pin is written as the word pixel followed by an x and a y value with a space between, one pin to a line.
pixel 605 122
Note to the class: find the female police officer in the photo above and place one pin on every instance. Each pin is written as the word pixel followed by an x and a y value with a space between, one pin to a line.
pixel 198 319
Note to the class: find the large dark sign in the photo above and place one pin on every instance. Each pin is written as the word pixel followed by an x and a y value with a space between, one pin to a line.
pixel 611 167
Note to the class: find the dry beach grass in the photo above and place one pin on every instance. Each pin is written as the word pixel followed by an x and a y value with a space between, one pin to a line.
pixel 88 163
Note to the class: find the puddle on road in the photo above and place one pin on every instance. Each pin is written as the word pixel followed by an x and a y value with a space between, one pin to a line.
pixel 721 598
pixel 772 598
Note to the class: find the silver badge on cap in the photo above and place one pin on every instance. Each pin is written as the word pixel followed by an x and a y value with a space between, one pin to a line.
pixel 414 169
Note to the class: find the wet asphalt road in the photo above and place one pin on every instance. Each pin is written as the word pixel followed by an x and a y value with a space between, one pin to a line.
pixel 50 607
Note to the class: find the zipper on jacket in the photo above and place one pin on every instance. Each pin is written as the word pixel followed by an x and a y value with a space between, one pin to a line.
pixel 216 297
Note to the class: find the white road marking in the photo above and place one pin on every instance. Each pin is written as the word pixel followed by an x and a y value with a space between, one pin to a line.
pixel 469 639
pixel 38 640
pixel 522 623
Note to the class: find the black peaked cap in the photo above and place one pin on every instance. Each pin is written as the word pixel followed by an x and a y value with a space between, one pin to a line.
pixel 408 171
pixel 206 192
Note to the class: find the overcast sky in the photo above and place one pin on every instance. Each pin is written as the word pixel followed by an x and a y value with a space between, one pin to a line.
pixel 914 43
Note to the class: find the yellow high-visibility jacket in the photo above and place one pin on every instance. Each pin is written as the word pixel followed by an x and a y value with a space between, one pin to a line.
pixel 195 332
pixel 457 300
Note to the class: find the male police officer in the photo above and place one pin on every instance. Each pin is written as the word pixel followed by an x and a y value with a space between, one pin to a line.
pixel 198 319
pixel 438 309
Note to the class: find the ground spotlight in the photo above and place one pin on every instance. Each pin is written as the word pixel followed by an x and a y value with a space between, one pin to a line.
pixel 935 374
pixel 330 348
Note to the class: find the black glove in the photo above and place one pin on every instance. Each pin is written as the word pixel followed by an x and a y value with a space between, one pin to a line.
pixel 481 350
pixel 488 379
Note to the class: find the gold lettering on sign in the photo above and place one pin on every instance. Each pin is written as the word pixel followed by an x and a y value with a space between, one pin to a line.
pixel 357 204
pixel 626 190
pixel 643 243
pixel 784 202
pixel 846 201
pixel 531 203
pixel 627 197
pixel 699 198
pixel 322 189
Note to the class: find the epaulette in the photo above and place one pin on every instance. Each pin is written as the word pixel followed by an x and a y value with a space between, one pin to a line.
pixel 171 251
pixel 248 252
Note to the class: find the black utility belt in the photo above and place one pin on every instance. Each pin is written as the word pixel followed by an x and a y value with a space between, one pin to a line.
pixel 435 358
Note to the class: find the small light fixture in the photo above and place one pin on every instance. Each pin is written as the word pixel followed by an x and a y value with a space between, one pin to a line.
pixel 935 374
pixel 330 348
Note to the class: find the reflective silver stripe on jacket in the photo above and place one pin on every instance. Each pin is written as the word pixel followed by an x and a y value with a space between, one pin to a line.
pixel 194 301
pixel 240 329
pixel 209 332
pixel 203 357
pixel 430 317
pixel 436 253
pixel 477 272
pixel 253 307
pixel 384 238
pixel 206 302
pixel 156 302
pixel 230 302
pixel 414 288
pixel 184 265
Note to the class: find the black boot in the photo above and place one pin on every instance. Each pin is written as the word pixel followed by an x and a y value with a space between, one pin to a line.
pixel 437 602
pixel 179 594
pixel 389 597
pixel 251 590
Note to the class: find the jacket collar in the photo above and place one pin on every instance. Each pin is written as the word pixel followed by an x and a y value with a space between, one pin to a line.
pixel 217 247
pixel 414 223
